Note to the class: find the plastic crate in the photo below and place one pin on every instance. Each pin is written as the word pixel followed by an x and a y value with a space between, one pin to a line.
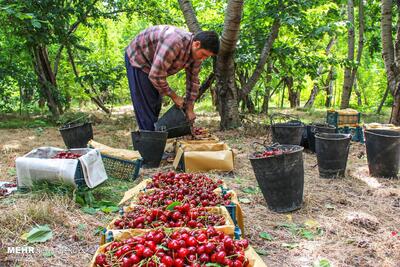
pixel 79 178
pixel 232 212
pixel 357 133
pixel 340 120
pixel 121 168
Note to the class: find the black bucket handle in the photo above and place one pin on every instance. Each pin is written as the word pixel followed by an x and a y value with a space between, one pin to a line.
pixel 314 129
pixel 264 145
pixel 283 116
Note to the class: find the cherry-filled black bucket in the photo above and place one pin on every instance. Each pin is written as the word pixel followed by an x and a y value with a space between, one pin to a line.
pixel 332 153
pixel 281 178
pixel 383 152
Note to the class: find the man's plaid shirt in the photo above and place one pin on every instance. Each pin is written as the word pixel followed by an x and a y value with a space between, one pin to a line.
pixel 162 51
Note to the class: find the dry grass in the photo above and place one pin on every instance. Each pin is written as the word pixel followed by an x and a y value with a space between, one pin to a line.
pixel 347 221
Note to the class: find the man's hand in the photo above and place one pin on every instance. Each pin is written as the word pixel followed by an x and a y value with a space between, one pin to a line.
pixel 177 100
pixel 191 116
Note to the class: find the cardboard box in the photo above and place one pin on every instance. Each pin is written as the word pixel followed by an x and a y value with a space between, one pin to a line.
pixel 203 157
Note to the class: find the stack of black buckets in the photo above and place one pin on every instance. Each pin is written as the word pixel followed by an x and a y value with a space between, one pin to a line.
pixel 281 177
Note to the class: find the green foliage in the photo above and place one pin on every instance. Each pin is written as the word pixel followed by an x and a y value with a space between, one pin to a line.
pixel 73 118
pixel 94 34
pixel 38 234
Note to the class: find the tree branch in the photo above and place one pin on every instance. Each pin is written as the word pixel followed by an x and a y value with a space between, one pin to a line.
pixel 189 15
pixel 263 58
pixel 71 30
pixel 205 85
pixel 95 100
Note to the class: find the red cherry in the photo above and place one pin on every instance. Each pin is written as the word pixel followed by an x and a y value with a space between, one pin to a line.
pixel 134 259
pixel 191 241
pixel 201 249
pixel 183 252
pixel 204 258
pixel 173 244
pixel 237 263
pixel 139 248
pixel 228 243
pixel 220 257
pixel 202 238
pixel 101 260
pixel 151 244
pixel 118 253
pixel 126 262
pixel 192 258
pixel 245 243
pixel 209 247
pixel 178 262
pixel 167 260
pixel 147 253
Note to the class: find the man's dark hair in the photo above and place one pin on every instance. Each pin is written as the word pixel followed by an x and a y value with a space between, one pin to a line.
pixel 209 40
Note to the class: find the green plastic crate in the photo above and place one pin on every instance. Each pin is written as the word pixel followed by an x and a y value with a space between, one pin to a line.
pixel 341 120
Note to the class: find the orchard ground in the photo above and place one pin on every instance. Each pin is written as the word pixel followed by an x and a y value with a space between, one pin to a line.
pixel 352 221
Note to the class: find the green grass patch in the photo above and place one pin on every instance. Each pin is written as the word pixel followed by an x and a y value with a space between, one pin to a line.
pixel 17 123
pixel 104 197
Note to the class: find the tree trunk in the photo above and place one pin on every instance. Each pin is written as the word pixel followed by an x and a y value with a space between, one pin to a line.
pixel 265 105
pixel 294 95
pixel 225 67
pixel 383 100
pixel 313 95
pixel 47 80
pixel 315 90
pixel 361 88
pixel 347 83
pixel 358 93
pixel 227 93
pixel 391 57
pixel 359 51
pixel 268 79
pixel 329 88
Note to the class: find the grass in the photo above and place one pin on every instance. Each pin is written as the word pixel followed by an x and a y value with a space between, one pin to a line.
pixel 112 190
pixel 24 123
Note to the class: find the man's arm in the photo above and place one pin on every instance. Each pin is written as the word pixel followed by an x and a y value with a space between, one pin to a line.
pixel 192 88
pixel 164 55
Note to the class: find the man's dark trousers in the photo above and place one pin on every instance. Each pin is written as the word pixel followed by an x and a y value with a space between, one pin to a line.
pixel 145 98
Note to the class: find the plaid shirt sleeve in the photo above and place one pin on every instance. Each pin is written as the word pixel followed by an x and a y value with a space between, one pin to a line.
pixel 164 56
pixel 192 81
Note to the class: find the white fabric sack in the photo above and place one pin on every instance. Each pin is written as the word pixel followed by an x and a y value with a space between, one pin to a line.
pixel 93 168
pixel 39 165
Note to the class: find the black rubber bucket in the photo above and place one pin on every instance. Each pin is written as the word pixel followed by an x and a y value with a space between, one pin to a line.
pixel 76 135
pixel 288 133
pixel 383 152
pixel 281 178
pixel 174 121
pixel 150 145
pixel 312 129
pixel 332 153
pixel 304 139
